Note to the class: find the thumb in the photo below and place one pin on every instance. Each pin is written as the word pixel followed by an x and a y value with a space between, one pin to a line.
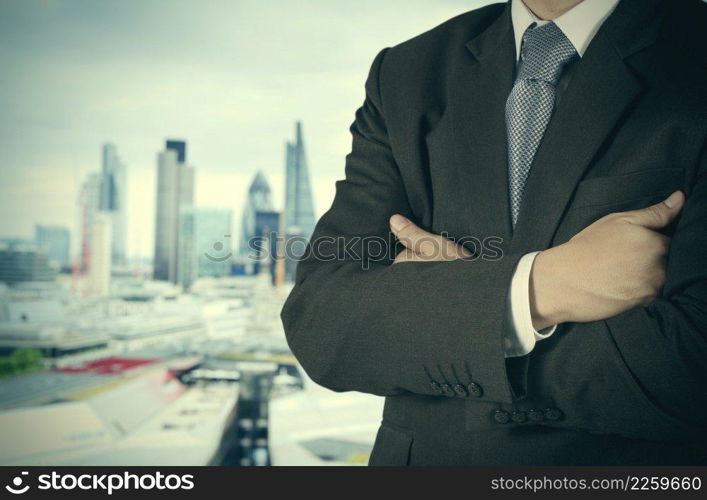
pixel 659 215
pixel 413 237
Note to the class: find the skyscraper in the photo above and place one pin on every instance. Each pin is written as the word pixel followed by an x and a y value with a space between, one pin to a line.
pixel 257 200
pixel 186 253
pixel 54 240
pixel 299 207
pixel 89 203
pixel 113 200
pixel 175 189
pixel 267 227
pixel 205 243
pixel 100 268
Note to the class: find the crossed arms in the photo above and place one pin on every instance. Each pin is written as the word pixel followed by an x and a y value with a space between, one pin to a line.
pixel 383 327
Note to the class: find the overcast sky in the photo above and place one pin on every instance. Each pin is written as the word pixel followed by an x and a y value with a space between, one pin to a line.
pixel 228 76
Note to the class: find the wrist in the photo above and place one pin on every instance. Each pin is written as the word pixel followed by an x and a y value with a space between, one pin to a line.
pixel 547 291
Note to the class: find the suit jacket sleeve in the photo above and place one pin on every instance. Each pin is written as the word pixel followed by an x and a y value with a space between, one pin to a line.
pixel 657 358
pixel 356 322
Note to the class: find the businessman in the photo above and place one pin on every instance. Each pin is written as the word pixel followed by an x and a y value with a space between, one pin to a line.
pixel 542 165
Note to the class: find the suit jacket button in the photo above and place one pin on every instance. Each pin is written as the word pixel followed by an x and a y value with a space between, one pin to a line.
pixel 460 390
pixel 435 387
pixel 448 391
pixel 519 417
pixel 501 416
pixel 553 414
pixel 536 415
pixel 475 390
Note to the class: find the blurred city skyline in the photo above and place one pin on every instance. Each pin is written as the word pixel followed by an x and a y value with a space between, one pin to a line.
pixel 230 78
pixel 160 141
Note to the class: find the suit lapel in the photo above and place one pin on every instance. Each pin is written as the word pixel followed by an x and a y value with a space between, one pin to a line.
pixel 479 87
pixel 600 92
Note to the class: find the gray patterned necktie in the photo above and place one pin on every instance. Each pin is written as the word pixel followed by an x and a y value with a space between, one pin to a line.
pixel 544 52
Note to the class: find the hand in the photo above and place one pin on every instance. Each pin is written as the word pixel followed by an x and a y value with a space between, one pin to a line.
pixel 611 266
pixel 421 246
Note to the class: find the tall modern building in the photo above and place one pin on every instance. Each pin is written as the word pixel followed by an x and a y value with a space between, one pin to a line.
pixel 55 242
pixel 205 243
pixel 101 251
pixel 267 227
pixel 175 189
pixel 299 218
pixel 257 200
pixel 299 207
pixel 113 200
pixel 186 253
pixel 89 206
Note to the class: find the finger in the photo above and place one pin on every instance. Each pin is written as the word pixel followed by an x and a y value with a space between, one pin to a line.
pixel 417 239
pixel 659 215
pixel 408 255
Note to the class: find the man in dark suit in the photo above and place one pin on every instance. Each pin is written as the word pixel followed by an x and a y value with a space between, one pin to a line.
pixel 544 169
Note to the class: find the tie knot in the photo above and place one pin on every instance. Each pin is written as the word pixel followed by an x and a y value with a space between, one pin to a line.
pixel 544 53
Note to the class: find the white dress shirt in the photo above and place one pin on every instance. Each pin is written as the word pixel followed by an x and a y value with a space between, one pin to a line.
pixel 579 25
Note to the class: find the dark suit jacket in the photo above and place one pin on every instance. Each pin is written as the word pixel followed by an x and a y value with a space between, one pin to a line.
pixel 429 142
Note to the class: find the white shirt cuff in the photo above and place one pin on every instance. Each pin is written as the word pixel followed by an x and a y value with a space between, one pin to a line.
pixel 522 336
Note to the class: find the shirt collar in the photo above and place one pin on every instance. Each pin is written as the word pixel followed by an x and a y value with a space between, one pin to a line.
pixel 579 24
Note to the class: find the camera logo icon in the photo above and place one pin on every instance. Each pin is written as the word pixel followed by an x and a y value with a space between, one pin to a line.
pixel 16 487
pixel 219 247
